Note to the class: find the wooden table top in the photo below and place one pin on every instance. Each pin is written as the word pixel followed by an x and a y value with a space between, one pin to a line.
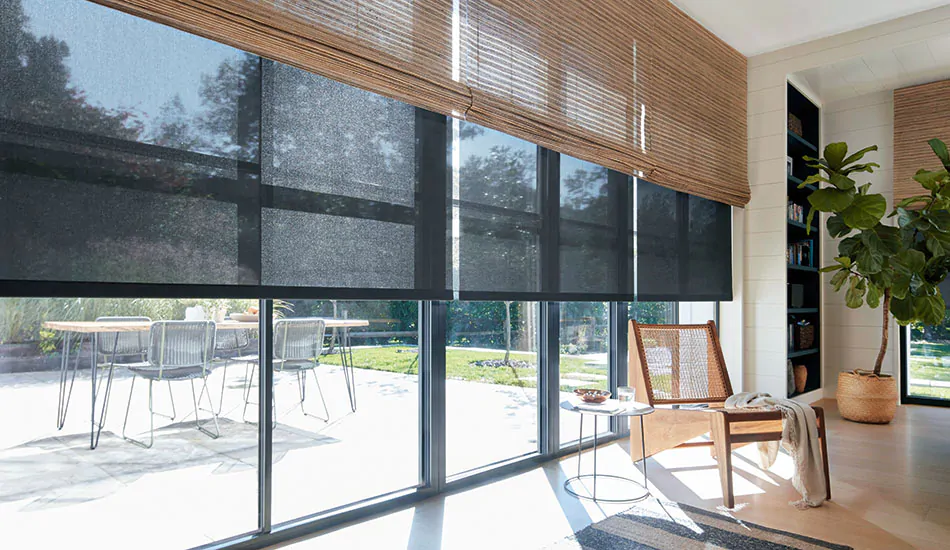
pixel 142 326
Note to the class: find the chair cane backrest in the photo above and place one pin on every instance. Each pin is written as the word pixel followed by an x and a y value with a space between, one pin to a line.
pixel 678 364
pixel 123 343
pixel 298 339
pixel 181 344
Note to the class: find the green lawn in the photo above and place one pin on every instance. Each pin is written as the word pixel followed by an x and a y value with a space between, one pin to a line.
pixel 926 364
pixel 459 365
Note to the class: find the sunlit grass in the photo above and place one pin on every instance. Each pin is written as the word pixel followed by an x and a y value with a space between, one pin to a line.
pixel 927 363
pixel 459 364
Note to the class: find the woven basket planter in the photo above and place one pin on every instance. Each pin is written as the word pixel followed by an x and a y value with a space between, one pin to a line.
pixel 867 398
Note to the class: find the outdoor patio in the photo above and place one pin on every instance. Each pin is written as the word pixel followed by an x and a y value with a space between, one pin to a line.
pixel 189 489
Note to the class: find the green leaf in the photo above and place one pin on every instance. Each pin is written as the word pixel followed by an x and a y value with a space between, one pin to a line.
pixel 928 179
pixel 890 236
pixel 837 227
pixel 834 154
pixel 870 257
pixel 844 260
pixel 939 219
pixel 940 149
pixel 814 179
pixel 839 278
pixel 909 201
pixel 865 211
pixel 829 268
pixel 842 182
pixel 869 167
pixel 808 219
pixel 874 296
pixel 855 157
pixel 909 261
pixel 848 247
pixel 903 308
pixel 938 243
pixel 929 309
pixel 854 297
pixel 831 200
pixel 900 286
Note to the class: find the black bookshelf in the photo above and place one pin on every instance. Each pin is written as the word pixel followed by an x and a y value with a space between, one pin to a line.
pixel 804 243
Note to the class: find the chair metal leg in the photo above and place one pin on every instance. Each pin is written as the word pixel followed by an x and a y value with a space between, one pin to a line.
pixel 151 418
pixel 248 386
pixel 224 379
pixel 214 417
pixel 302 387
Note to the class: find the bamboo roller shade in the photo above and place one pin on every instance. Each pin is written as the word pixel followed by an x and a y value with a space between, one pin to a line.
pixel 920 113
pixel 635 85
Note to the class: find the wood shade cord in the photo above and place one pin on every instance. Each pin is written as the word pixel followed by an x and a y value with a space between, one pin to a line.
pixel 920 113
pixel 633 85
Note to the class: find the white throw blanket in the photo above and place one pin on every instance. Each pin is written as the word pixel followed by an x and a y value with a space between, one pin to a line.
pixel 800 439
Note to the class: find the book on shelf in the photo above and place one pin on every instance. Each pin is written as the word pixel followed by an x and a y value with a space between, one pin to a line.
pixel 801 253
pixel 796 212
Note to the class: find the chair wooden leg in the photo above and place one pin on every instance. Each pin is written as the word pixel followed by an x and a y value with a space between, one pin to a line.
pixel 719 430
pixel 822 437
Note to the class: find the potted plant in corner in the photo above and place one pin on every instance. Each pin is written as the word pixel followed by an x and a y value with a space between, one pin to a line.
pixel 898 267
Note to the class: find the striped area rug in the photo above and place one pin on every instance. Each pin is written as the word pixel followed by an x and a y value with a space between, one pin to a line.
pixel 672 526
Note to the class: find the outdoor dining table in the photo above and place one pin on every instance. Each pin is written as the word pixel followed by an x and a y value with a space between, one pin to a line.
pixel 85 328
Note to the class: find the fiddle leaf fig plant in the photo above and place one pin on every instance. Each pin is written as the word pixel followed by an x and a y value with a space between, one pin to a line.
pixel 900 265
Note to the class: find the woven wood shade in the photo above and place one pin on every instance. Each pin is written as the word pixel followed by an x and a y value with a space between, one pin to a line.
pixel 920 113
pixel 635 85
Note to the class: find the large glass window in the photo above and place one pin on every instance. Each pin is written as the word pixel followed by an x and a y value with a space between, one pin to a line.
pixel 134 153
pixel 590 210
pixel 127 159
pixel 153 377
pixel 340 166
pixel 346 394
pixel 584 362
pixel 496 210
pixel 491 392
pixel 653 313
pixel 928 371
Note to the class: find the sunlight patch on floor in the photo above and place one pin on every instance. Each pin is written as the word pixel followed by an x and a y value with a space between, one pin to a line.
pixel 705 484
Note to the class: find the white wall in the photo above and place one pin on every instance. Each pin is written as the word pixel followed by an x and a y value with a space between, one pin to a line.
pixel 763 276
pixel 854 335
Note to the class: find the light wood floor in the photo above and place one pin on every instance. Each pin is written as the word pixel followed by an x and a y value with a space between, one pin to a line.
pixel 891 488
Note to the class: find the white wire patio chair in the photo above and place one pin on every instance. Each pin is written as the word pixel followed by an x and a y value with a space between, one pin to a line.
pixel 177 351
pixel 298 345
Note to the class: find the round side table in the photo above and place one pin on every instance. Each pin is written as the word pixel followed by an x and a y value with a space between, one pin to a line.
pixel 609 409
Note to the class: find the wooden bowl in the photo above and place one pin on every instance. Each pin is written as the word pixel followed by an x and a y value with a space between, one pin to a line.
pixel 592 395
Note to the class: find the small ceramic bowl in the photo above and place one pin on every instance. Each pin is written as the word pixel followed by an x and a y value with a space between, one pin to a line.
pixel 591 395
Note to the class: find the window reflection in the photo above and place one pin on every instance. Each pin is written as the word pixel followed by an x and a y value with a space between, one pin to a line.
pixel 590 244
pixel 498 207
pixel 129 159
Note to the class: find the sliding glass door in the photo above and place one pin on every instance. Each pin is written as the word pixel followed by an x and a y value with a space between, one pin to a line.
pixel 925 357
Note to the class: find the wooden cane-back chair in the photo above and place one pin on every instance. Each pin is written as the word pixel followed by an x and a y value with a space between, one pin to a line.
pixel 680 371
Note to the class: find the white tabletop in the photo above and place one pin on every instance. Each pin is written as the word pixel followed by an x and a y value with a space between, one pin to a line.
pixel 609 408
